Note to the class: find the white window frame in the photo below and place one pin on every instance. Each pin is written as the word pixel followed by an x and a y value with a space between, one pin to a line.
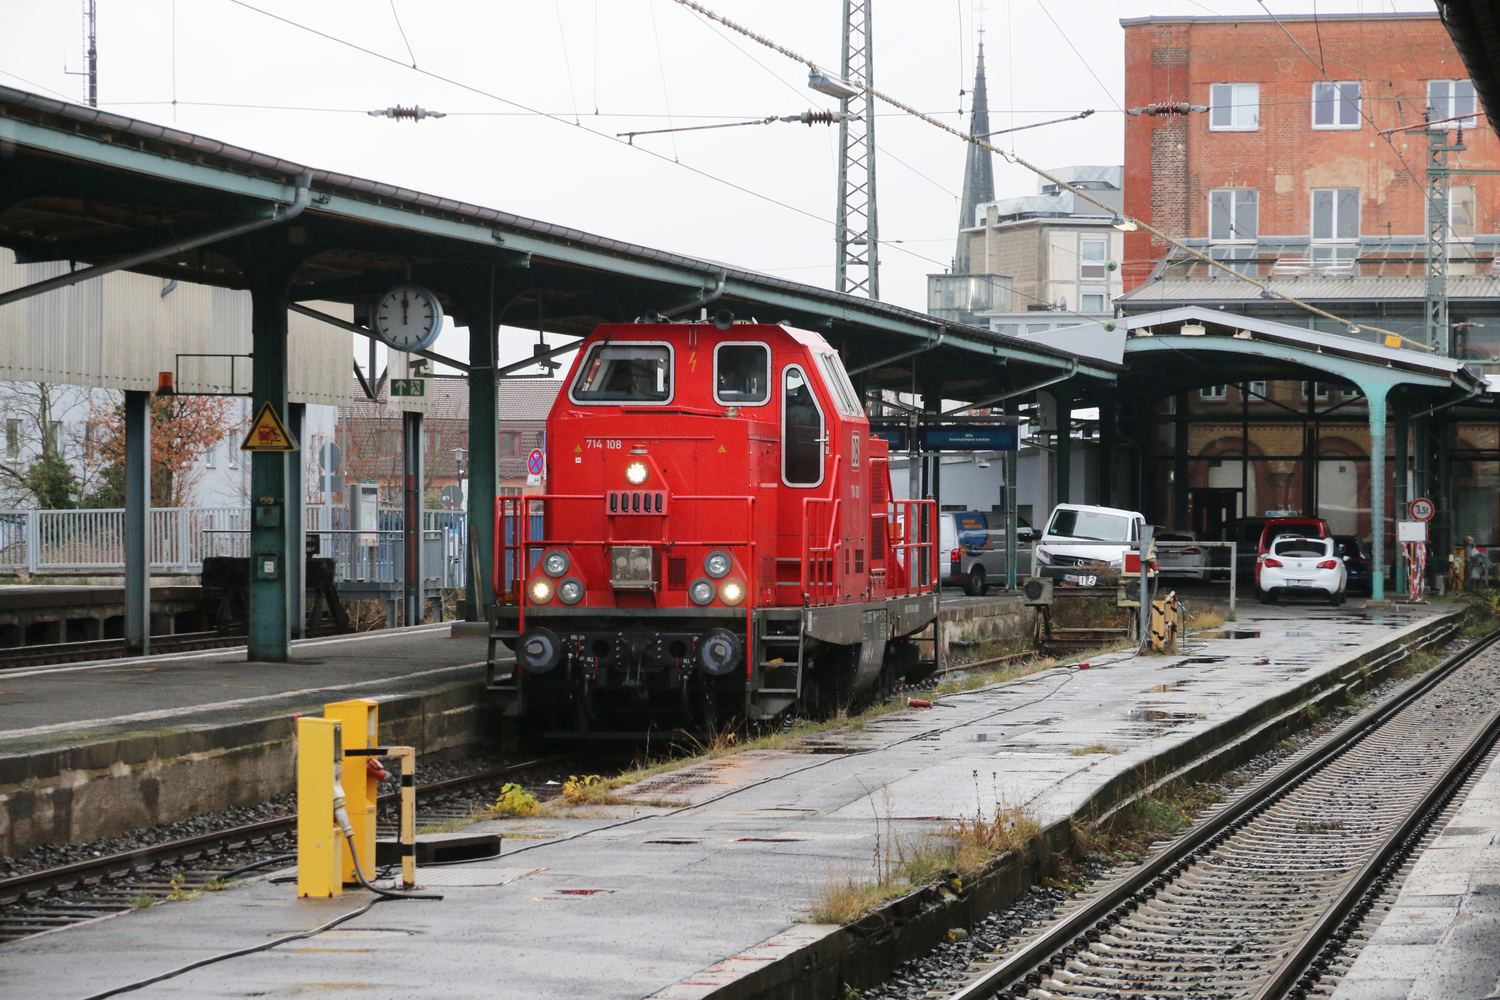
pixel 211 456
pixel 1214 393
pixel 1234 211
pixel 770 368
pixel 1446 109
pixel 1102 263
pixel 1258 390
pixel 1085 294
pixel 845 399
pixel 671 374
pixel 1339 100
pixel 822 416
pixel 1241 96
pixel 1312 201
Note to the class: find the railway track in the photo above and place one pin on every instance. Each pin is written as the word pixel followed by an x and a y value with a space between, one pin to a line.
pixel 1266 896
pixel 52 898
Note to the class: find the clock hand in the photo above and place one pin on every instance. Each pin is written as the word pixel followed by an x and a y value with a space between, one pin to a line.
pixel 405 304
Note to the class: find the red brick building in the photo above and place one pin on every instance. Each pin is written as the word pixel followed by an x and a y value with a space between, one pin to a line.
pixel 1295 143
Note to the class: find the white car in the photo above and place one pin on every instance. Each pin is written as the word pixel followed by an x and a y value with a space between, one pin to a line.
pixel 1178 554
pixel 1081 539
pixel 1306 567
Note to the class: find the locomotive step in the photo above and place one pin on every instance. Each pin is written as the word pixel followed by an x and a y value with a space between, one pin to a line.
pixel 777 691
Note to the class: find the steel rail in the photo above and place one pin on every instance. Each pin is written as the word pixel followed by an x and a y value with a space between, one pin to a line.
pixel 125 862
pixel 1090 917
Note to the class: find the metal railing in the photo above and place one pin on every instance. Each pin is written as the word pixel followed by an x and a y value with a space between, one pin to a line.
pixel 71 541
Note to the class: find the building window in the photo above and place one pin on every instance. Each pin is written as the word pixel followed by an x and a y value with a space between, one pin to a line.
pixel 1335 105
pixel 1461 212
pixel 1257 390
pixel 210 456
pixel 510 443
pixel 1323 391
pixel 1335 213
pixel 1093 302
pixel 1233 214
pixel 1234 107
pixel 1452 99
pixel 1214 392
pixel 1091 258
pixel 52 435
pixel 13 439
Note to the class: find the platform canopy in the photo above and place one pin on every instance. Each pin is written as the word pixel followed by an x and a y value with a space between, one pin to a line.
pixel 1162 360
pixel 84 185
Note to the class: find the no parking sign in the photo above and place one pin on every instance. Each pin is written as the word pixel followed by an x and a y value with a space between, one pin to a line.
pixel 536 465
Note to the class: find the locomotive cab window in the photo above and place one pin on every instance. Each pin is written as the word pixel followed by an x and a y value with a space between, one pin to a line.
pixel 625 373
pixel 742 374
pixel 801 430
pixel 844 396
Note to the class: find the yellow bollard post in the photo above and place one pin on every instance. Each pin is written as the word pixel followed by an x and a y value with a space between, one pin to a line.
pixel 361 721
pixel 318 834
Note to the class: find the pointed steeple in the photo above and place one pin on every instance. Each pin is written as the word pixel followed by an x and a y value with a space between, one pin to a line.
pixel 979 177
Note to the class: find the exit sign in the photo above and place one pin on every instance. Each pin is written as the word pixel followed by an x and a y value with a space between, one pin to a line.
pixel 409 387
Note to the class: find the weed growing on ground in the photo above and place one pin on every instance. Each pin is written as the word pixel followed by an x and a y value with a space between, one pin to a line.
pixel 453 825
pixel 1091 749
pixel 180 891
pixel 589 790
pixel 142 900
pixel 1161 815
pixel 1319 826
pixel 514 801
pixel 994 675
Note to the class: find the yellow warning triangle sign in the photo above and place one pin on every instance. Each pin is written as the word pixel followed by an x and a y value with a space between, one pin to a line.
pixel 268 433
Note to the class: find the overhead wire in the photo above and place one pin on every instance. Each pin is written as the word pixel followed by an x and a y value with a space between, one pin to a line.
pixel 1107 92
pixel 1062 184
pixel 406 41
pixel 562 36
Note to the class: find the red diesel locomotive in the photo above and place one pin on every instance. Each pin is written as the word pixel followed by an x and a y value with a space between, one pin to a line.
pixel 718 539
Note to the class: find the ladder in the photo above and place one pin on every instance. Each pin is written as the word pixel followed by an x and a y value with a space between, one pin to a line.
pixel 780 650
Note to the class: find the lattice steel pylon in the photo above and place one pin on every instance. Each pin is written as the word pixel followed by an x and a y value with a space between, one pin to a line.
pixel 856 230
pixel 1439 223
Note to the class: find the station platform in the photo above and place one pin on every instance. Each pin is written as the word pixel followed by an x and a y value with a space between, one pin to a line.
pixel 703 881
pixel 1441 940
pixel 96 749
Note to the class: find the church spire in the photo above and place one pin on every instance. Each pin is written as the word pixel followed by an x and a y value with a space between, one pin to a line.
pixel 979 178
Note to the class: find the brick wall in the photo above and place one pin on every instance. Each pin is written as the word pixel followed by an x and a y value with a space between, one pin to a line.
pixel 1172 163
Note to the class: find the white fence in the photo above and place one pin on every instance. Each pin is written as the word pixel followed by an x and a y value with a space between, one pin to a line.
pixel 70 541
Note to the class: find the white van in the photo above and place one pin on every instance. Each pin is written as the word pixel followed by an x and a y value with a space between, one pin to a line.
pixel 972 550
pixel 1081 537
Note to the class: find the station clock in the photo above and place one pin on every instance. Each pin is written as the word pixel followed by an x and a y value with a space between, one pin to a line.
pixel 408 318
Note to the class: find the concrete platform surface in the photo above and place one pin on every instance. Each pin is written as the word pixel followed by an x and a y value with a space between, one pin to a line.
pixel 709 871
pixel 44 706
pixel 1441 941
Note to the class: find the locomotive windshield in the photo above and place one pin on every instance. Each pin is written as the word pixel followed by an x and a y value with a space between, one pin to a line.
pixel 619 373
pixel 742 373
pixel 801 431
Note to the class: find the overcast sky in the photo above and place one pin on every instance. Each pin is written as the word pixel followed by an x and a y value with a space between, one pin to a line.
pixel 580 71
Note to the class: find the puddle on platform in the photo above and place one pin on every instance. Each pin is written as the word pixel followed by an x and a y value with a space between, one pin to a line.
pixel 831 748
pixel 1156 715
pixel 1226 634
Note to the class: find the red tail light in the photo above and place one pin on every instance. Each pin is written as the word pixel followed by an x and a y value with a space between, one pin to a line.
pixel 1190 551
pixel 1272 562
pixel 1328 564
pixel 956 554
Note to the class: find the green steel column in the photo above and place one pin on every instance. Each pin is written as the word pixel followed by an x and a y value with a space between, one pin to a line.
pixel 296 519
pixel 269 632
pixel 137 523
pixel 412 576
pixel 1180 463
pixel 1400 415
pixel 1064 447
pixel 484 461
pixel 1376 395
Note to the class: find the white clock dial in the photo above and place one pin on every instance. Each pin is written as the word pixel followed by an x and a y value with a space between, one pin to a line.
pixel 408 318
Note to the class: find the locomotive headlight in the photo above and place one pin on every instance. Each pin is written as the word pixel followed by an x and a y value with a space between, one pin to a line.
pixel 555 564
pixel 701 592
pixel 636 473
pixel 570 591
pixel 731 592
pixel 541 591
pixel 716 564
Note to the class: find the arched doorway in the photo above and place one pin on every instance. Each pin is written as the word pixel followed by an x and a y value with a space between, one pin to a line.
pixel 1227 472
pixel 1338 492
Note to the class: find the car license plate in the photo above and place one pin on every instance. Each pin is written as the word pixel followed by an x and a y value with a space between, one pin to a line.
pixel 1299 583
pixel 1082 581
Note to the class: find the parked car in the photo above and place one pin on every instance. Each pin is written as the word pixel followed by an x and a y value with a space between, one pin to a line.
pixel 1356 559
pixel 1179 555
pixel 1081 539
pixel 975 545
pixel 1302 567
pixel 1279 527
pixel 1245 534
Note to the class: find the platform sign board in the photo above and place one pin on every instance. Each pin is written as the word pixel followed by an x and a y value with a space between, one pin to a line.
pixel 1422 509
pixel 536 467
pixel 413 388
pixel 1411 531
pixel 970 437
pixel 267 432
pixel 893 434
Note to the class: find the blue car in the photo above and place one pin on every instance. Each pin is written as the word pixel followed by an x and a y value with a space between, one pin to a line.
pixel 1356 556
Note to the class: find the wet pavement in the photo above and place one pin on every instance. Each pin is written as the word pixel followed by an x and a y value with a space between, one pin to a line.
pixel 710 871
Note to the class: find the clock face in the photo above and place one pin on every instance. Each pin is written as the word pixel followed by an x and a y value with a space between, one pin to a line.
pixel 408 318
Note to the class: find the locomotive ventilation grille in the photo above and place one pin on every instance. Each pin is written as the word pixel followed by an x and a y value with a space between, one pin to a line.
pixel 636 501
